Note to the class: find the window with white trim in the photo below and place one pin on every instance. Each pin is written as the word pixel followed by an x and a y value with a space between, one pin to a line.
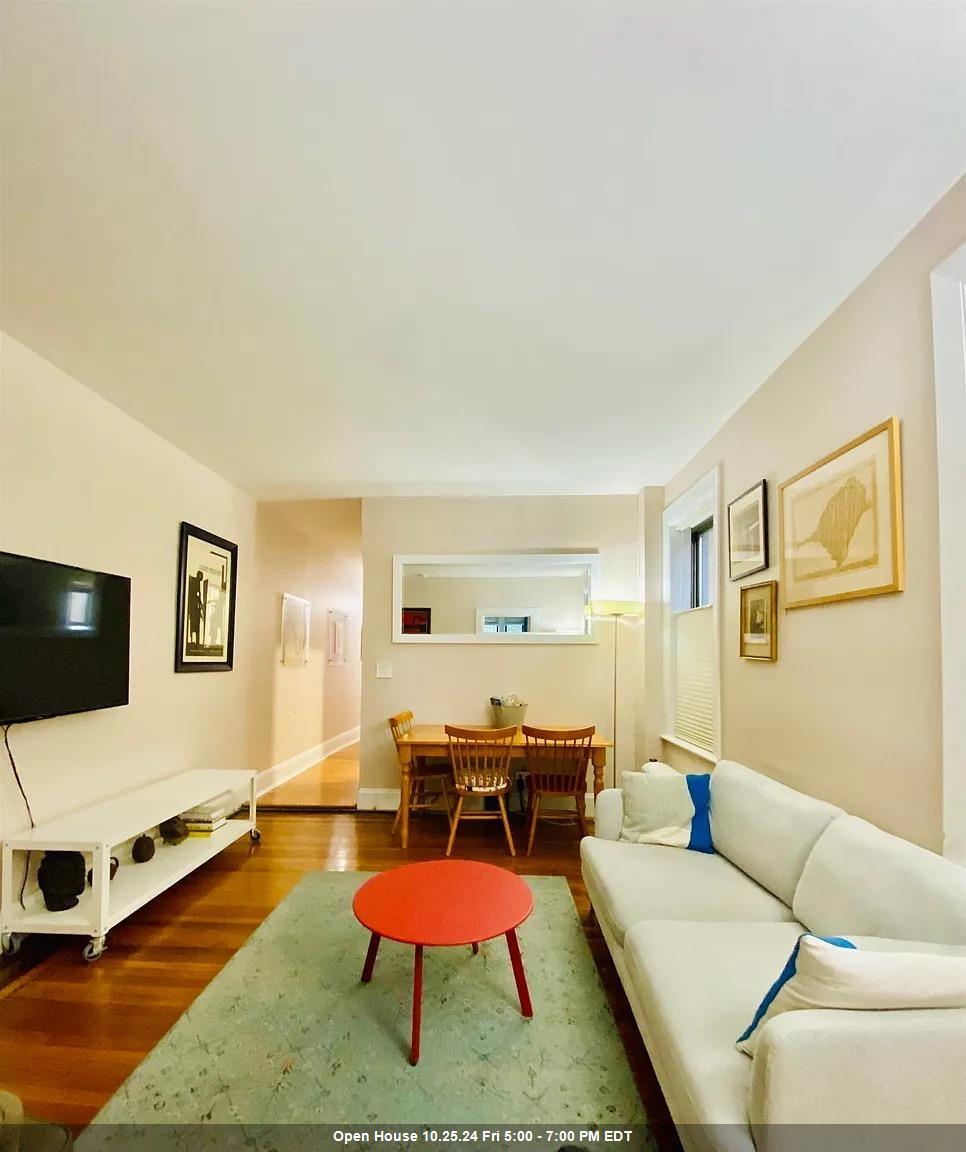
pixel 691 573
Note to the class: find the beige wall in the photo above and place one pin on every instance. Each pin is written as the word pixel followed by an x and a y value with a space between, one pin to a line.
pixel 296 693
pixel 563 684
pixel 454 600
pixel 82 483
pixel 328 534
pixel 851 711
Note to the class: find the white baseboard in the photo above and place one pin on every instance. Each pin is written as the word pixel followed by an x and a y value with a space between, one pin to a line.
pixel 377 799
pixel 281 773
pixel 343 740
pixel 270 778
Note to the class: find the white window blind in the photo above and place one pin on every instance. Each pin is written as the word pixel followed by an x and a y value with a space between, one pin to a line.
pixel 694 688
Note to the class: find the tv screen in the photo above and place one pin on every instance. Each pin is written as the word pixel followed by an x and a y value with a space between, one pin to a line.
pixel 64 639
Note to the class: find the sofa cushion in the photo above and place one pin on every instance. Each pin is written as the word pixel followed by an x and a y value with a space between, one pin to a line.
pixel 671 810
pixel 632 882
pixel 699 985
pixel 862 973
pixel 765 828
pixel 861 880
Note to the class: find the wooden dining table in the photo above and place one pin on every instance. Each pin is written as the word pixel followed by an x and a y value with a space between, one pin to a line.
pixel 431 740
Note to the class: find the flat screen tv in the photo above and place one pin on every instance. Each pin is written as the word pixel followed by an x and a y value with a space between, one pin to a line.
pixel 65 638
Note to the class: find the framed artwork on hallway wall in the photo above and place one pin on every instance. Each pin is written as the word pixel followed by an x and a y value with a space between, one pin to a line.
pixel 296 619
pixel 337 629
pixel 205 626
pixel 748 532
pixel 841 522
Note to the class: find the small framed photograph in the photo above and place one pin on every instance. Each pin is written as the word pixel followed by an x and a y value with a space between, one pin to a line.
pixel 296 621
pixel 759 621
pixel 207 572
pixel 748 532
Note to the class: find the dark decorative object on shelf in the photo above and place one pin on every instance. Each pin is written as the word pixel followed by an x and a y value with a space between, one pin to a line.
pixel 173 831
pixel 115 864
pixel 61 879
pixel 142 850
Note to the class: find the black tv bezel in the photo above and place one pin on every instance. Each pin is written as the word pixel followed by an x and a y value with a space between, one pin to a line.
pixel 4 722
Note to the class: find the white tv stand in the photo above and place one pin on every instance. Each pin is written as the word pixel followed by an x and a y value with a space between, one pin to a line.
pixel 95 831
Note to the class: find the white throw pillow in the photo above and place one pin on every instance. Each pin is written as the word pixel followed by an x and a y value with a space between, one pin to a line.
pixel 669 809
pixel 658 768
pixel 862 973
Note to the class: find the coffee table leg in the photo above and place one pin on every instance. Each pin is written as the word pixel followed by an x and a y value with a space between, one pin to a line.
pixel 518 974
pixel 370 957
pixel 476 949
pixel 417 1003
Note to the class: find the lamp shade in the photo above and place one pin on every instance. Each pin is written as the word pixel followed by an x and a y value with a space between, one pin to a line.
pixel 614 608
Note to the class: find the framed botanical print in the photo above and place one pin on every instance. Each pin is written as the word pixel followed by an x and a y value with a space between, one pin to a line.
pixel 748 532
pixel 205 629
pixel 841 522
pixel 296 620
pixel 759 621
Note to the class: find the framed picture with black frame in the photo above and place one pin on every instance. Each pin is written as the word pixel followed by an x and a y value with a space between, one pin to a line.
pixel 205 626
pixel 748 532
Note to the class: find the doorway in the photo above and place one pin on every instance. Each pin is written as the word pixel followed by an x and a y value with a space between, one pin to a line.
pixel 311 572
pixel 948 284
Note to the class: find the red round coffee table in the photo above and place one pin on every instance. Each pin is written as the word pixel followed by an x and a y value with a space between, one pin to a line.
pixel 444 904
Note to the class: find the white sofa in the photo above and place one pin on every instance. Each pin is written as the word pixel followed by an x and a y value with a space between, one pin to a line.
pixel 698 940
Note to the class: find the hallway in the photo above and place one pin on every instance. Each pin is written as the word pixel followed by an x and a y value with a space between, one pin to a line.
pixel 332 783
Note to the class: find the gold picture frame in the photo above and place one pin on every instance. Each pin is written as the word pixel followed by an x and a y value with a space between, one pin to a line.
pixel 758 621
pixel 841 523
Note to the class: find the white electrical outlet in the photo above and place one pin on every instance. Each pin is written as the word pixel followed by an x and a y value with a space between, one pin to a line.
pixel 383 670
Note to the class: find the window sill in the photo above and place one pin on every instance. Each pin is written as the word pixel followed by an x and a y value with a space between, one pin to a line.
pixel 693 749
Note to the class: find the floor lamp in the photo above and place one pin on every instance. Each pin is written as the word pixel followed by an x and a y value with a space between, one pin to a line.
pixel 614 610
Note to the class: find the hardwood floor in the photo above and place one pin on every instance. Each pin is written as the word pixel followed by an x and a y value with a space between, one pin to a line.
pixel 332 783
pixel 71 1032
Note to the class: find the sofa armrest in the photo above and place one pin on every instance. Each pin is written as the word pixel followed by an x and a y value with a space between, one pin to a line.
pixel 841 1067
pixel 609 814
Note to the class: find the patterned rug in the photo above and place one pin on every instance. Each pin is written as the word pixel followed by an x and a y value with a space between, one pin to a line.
pixel 287 1033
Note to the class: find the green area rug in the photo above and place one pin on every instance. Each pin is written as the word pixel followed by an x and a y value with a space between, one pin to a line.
pixel 287 1033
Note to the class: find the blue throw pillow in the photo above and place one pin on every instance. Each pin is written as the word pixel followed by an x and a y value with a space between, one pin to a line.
pixel 669 809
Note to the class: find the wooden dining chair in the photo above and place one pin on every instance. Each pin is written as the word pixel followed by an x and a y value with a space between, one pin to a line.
pixel 480 758
pixel 557 762
pixel 427 775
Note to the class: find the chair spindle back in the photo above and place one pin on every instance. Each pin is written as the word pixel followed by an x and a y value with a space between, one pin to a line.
pixel 400 725
pixel 480 758
pixel 558 758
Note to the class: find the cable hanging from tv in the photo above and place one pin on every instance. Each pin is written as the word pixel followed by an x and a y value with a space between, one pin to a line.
pixel 16 774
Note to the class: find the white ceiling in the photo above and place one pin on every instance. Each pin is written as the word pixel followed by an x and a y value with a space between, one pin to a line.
pixel 353 248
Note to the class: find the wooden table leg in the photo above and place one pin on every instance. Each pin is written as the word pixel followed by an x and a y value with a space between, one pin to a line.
pixel 417 1004
pixel 405 779
pixel 518 974
pixel 598 758
pixel 476 949
pixel 370 957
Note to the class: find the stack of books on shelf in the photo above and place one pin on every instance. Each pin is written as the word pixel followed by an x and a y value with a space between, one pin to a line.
pixel 203 819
